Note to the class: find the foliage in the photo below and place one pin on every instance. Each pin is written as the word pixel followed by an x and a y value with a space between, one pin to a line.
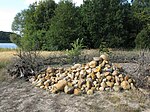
pixel 64 27
pixel 75 51
pixel 15 39
pixel 50 26
pixel 143 39
pixel 103 48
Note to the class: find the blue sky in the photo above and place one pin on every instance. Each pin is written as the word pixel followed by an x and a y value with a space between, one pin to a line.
pixel 9 8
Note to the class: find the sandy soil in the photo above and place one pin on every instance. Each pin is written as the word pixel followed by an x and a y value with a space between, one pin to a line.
pixel 20 96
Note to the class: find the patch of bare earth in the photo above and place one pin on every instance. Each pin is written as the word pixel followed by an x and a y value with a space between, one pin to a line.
pixel 21 96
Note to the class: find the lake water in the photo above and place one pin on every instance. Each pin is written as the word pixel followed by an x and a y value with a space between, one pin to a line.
pixel 8 45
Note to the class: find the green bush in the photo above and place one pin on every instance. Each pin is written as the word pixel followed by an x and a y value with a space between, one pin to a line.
pixel 143 39
pixel 75 51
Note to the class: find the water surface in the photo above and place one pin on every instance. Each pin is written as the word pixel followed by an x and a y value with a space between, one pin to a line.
pixel 8 45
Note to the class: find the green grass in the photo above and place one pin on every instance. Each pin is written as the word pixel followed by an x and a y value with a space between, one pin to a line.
pixel 3 66
pixel 7 49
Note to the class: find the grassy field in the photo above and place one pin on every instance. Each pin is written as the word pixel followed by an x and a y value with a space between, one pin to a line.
pixel 116 56
pixel 119 56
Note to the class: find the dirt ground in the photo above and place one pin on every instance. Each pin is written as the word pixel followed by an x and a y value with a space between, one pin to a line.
pixel 20 96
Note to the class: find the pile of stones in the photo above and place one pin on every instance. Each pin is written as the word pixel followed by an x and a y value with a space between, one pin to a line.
pixel 98 75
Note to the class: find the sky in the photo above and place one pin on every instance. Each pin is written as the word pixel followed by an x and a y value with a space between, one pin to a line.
pixel 9 9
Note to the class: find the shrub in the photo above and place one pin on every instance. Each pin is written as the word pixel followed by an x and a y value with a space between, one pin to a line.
pixel 143 39
pixel 75 51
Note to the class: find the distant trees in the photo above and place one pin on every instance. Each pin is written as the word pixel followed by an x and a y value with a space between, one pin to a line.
pixel 4 37
pixel 50 26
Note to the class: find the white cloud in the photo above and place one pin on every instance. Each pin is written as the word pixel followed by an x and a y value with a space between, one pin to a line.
pixel 6 19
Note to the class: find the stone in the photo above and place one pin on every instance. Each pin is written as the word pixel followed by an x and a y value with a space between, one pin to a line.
pixel 42 87
pixel 132 86
pixel 104 57
pixel 93 64
pixel 69 89
pixel 89 70
pixel 82 72
pixel 81 82
pixel 103 63
pixel 59 86
pixel 117 66
pixel 104 80
pixel 98 69
pixel 32 79
pixel 94 82
pixel 47 77
pixel 69 84
pixel 117 79
pixel 96 58
pixel 39 76
pixel 116 88
pixel 88 84
pixel 46 87
pixel 103 84
pixel 93 76
pixel 120 76
pixel 90 92
pixel 117 84
pixel 101 88
pixel 107 89
pixel 39 84
pixel 49 70
pixel 112 79
pixel 125 85
pixel 43 75
pixel 107 65
pixel 121 79
pixel 109 84
pixel 106 73
pixel 130 80
pixel 126 77
pixel 76 66
pixel 46 83
pixel 98 75
pixel 108 78
pixel 77 91
pixel 82 76
pixel 115 73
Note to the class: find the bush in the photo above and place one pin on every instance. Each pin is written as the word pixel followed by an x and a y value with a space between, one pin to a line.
pixel 143 39
pixel 75 52
pixel 15 39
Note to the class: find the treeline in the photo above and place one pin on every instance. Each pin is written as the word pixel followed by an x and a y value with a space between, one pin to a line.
pixel 111 23
pixel 4 37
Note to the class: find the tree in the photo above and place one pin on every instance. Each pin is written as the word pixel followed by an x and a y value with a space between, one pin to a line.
pixel 141 12
pixel 19 22
pixel 36 22
pixel 103 22
pixel 15 38
pixel 143 39
pixel 65 27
